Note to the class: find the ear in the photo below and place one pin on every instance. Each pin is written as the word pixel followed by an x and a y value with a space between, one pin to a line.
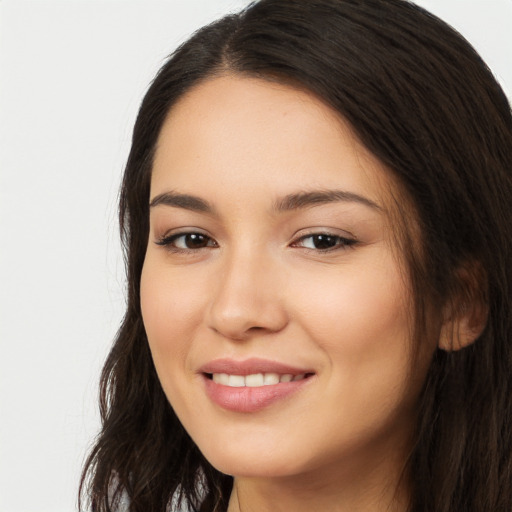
pixel 465 312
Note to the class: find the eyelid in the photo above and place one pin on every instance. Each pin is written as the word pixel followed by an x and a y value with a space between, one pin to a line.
pixel 347 239
pixel 344 239
pixel 167 239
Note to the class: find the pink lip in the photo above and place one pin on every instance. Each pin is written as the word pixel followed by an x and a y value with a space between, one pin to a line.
pixel 250 399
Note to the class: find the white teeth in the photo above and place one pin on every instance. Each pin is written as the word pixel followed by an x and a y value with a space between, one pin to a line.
pixel 221 378
pixel 236 381
pixel 254 380
pixel 270 378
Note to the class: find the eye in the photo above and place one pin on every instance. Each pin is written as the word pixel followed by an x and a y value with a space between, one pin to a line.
pixel 187 241
pixel 324 242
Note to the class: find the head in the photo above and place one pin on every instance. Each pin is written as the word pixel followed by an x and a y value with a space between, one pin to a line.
pixel 423 106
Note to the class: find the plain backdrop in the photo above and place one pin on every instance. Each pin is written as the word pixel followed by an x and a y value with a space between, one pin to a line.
pixel 72 74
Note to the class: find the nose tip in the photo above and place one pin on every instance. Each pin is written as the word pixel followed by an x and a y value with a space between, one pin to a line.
pixel 242 324
pixel 247 303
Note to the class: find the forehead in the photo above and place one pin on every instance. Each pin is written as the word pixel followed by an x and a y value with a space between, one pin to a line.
pixel 252 134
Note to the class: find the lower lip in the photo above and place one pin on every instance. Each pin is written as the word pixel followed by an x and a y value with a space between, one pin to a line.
pixel 250 399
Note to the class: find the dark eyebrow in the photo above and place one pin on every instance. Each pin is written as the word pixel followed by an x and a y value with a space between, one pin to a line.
pixel 290 202
pixel 317 197
pixel 185 201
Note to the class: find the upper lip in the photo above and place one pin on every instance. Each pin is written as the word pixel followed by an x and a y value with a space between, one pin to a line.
pixel 250 366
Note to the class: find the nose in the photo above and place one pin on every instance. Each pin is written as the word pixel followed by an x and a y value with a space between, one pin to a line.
pixel 249 298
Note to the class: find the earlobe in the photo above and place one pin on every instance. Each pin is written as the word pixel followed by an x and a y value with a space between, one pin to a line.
pixel 465 315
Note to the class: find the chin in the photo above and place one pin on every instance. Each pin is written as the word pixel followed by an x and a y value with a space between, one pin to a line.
pixel 256 461
pixel 263 467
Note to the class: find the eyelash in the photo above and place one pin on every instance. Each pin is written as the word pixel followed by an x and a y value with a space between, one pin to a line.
pixel 170 242
pixel 340 243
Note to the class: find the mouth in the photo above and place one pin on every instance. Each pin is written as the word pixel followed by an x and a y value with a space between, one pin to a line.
pixel 255 380
pixel 252 385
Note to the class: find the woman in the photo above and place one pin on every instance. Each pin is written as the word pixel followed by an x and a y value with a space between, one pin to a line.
pixel 318 236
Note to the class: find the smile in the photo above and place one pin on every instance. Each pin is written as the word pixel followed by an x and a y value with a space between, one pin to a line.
pixel 254 384
pixel 254 380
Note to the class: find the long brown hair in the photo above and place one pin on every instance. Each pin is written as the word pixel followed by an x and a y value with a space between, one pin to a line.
pixel 421 100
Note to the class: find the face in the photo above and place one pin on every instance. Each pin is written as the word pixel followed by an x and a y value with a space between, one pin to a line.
pixel 277 314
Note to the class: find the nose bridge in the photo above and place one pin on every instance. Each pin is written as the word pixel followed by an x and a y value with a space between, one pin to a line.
pixel 247 298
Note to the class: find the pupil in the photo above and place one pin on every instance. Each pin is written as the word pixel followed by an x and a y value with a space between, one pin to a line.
pixel 195 240
pixel 324 241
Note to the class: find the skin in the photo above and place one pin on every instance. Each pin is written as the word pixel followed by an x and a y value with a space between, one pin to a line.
pixel 260 285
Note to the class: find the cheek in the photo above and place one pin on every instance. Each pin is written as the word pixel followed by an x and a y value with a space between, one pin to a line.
pixel 171 312
pixel 362 323
pixel 357 308
pixel 361 320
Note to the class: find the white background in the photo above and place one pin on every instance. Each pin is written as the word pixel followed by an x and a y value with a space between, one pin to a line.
pixel 72 76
